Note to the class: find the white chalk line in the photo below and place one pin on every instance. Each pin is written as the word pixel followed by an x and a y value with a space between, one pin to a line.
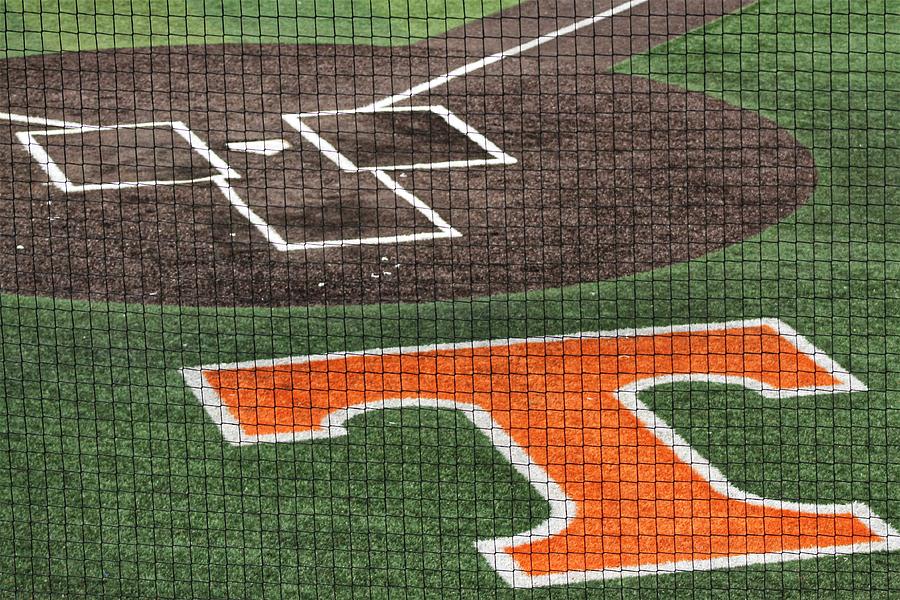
pixel 59 179
pixel 27 120
pixel 503 54
pixel 446 230
pixel 497 155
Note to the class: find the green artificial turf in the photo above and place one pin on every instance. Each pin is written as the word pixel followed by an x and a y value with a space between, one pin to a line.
pixel 34 26
pixel 113 482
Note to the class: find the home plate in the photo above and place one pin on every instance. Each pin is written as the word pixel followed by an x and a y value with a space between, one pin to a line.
pixel 264 147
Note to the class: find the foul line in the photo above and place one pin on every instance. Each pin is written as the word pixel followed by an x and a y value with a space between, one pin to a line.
pixel 494 58
pixel 27 120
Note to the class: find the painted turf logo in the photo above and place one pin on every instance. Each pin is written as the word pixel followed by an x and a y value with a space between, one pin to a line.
pixel 628 496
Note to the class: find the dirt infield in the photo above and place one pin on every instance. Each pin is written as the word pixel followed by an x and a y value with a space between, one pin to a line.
pixel 600 175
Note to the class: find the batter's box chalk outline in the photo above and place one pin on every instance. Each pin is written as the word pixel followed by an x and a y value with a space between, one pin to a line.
pixel 443 229
pixel 58 179
pixel 497 156
pixel 61 181
pixel 224 173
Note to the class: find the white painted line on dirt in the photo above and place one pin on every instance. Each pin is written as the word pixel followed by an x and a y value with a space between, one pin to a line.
pixel 437 166
pixel 321 144
pixel 27 120
pixel 348 166
pixel 60 180
pixel 497 57
pixel 238 204
pixel 420 206
pixel 470 132
pixel 263 147
pixel 221 180
pixel 372 241
pixel 498 156
pixel 200 147
pixel 40 156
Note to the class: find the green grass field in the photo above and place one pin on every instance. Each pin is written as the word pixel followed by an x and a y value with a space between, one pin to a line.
pixel 34 26
pixel 113 483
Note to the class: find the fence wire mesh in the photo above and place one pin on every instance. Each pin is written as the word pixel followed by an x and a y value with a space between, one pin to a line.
pixel 449 298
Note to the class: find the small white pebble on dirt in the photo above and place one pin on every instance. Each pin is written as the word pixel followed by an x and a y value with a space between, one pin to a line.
pixel 321 284
pixel 375 275
pixel 386 273
pixel 397 266
pixel 233 234
pixel 384 259
pixel 20 247
pixel 153 294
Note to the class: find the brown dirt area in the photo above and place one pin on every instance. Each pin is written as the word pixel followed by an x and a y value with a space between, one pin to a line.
pixel 615 175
